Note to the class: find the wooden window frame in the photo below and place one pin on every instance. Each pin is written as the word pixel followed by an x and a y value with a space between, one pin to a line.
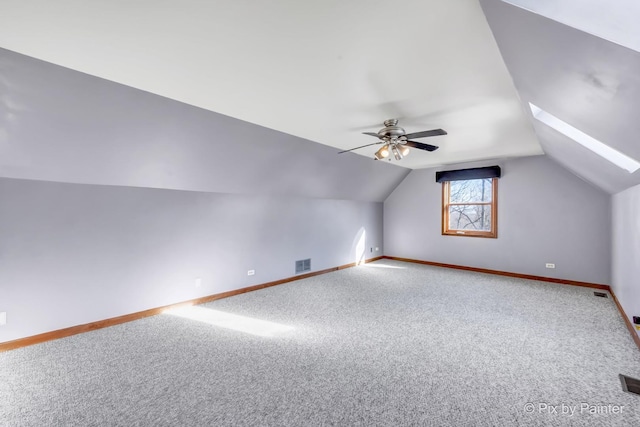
pixel 492 234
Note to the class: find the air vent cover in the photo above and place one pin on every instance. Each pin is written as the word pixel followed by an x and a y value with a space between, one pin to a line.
pixel 630 385
pixel 303 265
pixel 600 294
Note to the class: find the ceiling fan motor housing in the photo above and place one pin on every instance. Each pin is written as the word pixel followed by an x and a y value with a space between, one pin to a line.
pixel 391 130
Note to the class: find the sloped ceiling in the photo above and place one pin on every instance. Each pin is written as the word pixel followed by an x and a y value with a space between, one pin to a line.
pixel 587 81
pixel 324 70
pixel 65 126
pixel 615 21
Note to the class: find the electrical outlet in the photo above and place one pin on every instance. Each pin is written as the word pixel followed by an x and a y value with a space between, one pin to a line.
pixel 550 265
pixel 371 250
pixel 3 318
pixel 198 282
pixel 251 272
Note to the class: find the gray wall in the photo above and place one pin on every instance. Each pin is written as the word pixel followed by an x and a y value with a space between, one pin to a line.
pixel 545 215
pixel 72 253
pixel 114 200
pixel 626 249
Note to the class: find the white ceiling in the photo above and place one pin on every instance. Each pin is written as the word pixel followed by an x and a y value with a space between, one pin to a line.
pixel 324 70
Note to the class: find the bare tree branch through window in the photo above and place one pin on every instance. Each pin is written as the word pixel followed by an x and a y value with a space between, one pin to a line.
pixel 469 207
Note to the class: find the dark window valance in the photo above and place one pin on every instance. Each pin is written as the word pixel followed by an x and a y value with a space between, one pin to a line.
pixel 473 173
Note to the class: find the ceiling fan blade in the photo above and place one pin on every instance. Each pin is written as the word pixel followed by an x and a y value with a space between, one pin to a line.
pixel 421 146
pixel 372 134
pixel 346 151
pixel 426 133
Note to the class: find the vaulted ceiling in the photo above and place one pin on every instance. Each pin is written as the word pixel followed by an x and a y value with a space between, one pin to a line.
pixel 324 71
pixel 328 71
pixel 580 61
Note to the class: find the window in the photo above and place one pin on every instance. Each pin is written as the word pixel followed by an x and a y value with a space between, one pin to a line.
pixel 469 207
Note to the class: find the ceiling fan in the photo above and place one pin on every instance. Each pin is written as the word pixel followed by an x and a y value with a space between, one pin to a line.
pixel 396 140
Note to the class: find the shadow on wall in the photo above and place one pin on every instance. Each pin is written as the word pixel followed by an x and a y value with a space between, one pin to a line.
pixel 359 245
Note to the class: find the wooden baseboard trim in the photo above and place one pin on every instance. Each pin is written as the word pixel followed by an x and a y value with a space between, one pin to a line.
pixel 74 330
pixel 627 322
pixel 79 329
pixel 505 273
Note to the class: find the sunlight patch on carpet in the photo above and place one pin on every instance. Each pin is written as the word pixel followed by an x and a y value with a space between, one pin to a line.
pixel 236 322
pixel 378 265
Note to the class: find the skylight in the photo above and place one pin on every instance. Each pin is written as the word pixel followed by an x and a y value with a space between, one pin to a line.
pixel 614 156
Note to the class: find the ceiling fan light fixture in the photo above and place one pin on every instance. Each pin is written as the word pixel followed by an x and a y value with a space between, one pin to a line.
pixel 383 152
pixel 396 152
pixel 404 150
